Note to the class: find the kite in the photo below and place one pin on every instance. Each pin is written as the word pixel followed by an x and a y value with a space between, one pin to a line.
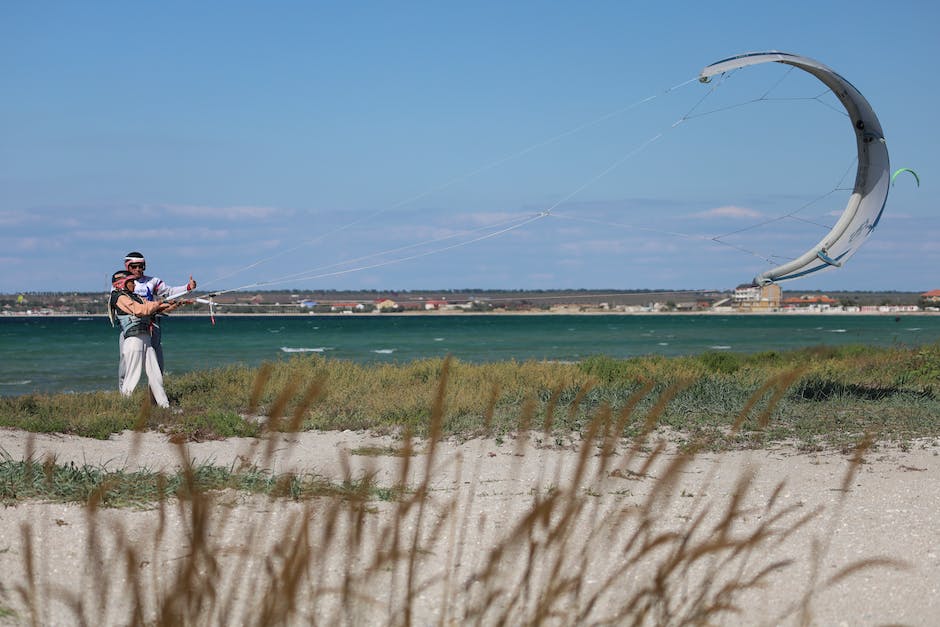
pixel 867 202
pixel 896 172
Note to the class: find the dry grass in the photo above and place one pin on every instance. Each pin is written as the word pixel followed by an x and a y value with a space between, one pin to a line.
pixel 430 558
pixel 839 395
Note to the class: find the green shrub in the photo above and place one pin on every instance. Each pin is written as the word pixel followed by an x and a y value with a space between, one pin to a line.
pixel 722 362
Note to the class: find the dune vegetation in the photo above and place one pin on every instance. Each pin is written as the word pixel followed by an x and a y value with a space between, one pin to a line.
pixel 820 397
pixel 356 551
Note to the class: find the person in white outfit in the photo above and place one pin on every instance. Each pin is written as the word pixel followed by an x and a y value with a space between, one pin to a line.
pixel 137 353
pixel 149 288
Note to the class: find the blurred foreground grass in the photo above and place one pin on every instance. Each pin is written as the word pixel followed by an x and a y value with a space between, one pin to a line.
pixel 429 556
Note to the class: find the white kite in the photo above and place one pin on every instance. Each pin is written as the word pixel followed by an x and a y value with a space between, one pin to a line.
pixel 872 180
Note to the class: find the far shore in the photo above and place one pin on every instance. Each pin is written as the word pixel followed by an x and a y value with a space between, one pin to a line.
pixel 373 314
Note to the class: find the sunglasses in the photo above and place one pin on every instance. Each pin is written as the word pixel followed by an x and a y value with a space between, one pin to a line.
pixel 137 265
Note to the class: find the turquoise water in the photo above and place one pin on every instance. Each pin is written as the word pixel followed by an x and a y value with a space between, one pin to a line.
pixel 50 354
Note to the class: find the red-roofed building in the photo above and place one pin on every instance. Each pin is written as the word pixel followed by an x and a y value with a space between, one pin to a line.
pixel 933 296
pixel 386 304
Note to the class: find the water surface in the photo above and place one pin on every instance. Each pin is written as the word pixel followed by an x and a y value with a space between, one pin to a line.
pixel 57 354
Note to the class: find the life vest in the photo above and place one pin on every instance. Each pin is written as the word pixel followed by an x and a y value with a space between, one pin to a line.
pixel 131 325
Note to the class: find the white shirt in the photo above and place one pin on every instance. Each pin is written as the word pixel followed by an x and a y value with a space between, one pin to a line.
pixel 153 288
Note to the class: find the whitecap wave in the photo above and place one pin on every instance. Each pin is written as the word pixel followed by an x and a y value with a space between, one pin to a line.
pixel 318 349
pixel 384 351
pixel 837 330
pixel 23 382
pixel 720 347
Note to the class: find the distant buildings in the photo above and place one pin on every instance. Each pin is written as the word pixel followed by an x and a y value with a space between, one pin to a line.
pixel 932 297
pixel 386 304
pixel 813 302
pixel 344 307
pixel 757 298
pixel 434 305
pixel 744 299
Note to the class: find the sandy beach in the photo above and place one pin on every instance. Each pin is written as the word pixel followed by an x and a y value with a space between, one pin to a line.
pixel 478 492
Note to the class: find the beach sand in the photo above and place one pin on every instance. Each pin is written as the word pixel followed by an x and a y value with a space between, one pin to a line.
pixel 479 491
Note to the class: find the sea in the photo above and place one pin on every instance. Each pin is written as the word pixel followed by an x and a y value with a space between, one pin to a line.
pixel 40 354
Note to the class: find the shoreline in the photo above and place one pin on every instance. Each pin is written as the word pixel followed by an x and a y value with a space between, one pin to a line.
pixel 497 313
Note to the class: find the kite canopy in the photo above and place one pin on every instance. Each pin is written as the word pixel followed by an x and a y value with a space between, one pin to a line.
pixel 896 172
pixel 870 193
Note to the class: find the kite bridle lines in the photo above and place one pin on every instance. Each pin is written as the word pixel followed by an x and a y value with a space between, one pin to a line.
pixel 499 228
pixel 454 240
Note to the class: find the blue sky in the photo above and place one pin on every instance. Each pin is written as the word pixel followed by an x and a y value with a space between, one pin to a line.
pixel 413 145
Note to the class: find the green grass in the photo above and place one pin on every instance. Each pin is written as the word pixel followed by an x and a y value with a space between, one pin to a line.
pixel 382 451
pixel 833 395
pixel 26 480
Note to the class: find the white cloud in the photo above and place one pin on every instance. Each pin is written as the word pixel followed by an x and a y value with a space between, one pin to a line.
pixel 628 245
pixel 165 234
pixel 411 233
pixel 569 231
pixel 907 248
pixel 13 218
pixel 894 214
pixel 728 211
pixel 542 277
pixel 227 213
pixel 25 244
pixel 596 246
pixel 484 218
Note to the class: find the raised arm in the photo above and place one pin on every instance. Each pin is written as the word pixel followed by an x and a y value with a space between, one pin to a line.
pixel 167 292
pixel 148 308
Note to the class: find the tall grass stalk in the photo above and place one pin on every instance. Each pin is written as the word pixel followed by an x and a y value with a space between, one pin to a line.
pixel 560 555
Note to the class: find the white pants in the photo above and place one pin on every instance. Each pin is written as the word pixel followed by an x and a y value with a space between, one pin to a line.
pixel 154 341
pixel 138 354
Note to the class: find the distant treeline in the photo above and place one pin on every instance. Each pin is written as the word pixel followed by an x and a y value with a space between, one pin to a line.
pixel 95 302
